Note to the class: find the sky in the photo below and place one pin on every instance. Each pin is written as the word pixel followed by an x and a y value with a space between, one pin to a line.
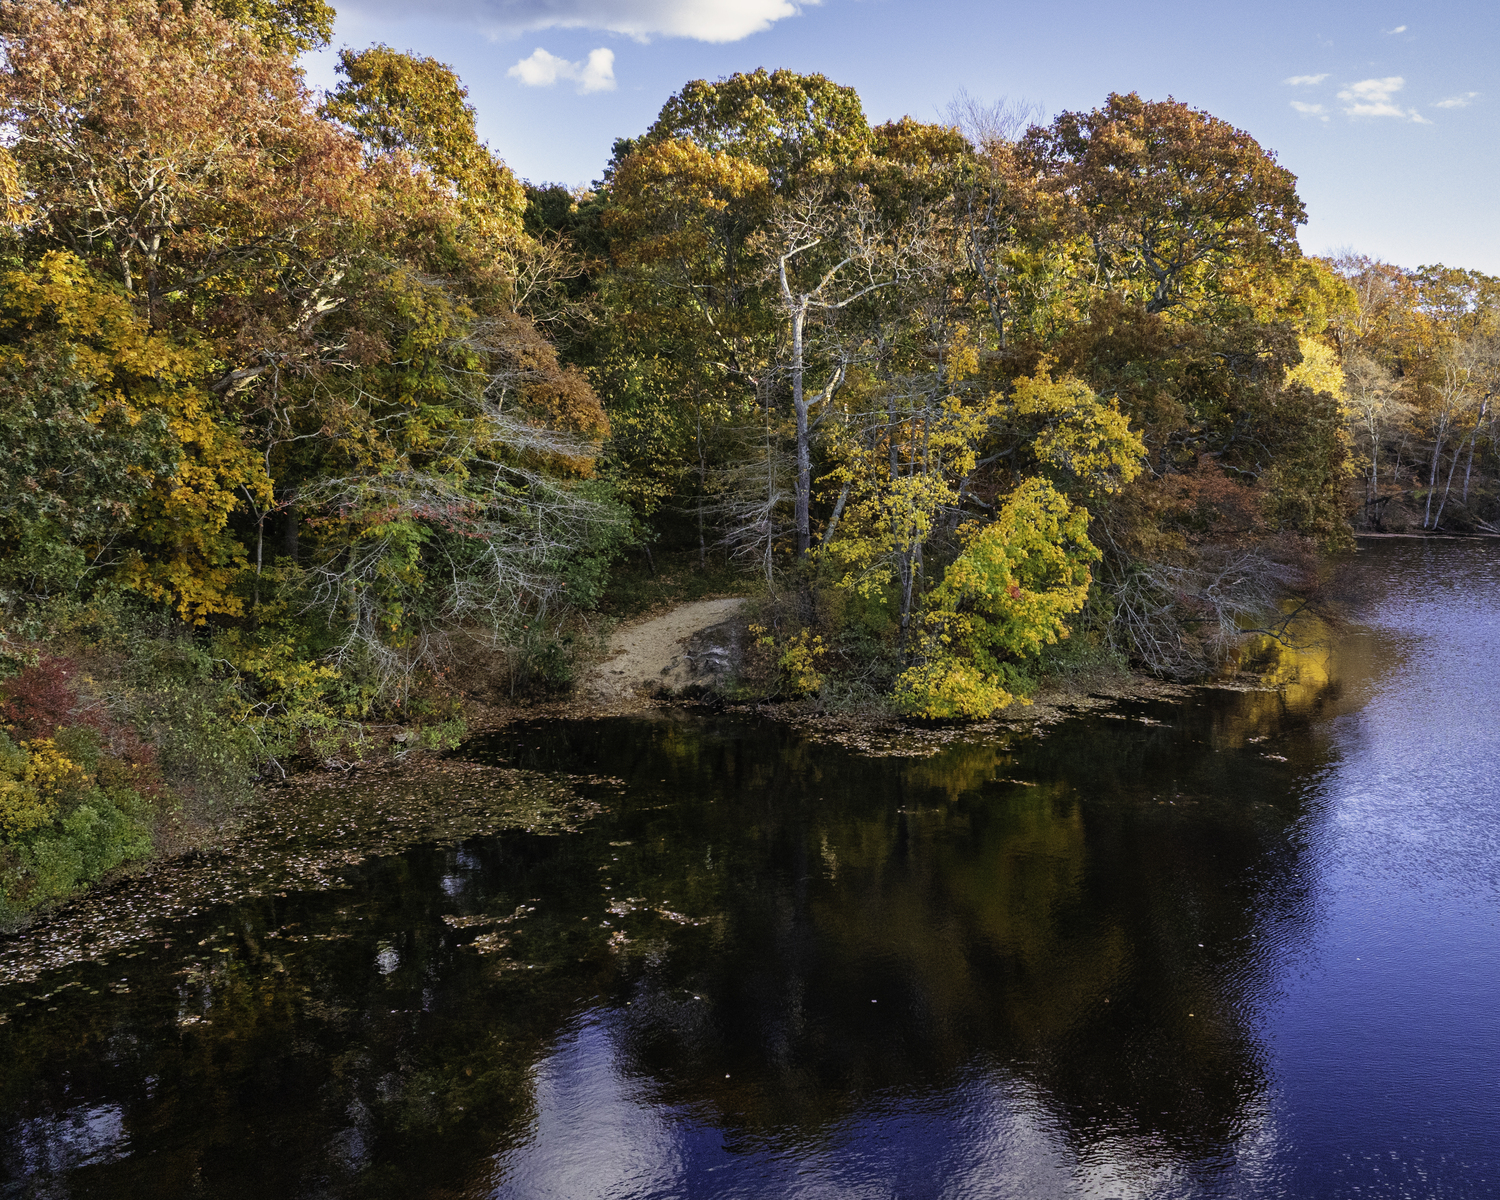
pixel 1388 111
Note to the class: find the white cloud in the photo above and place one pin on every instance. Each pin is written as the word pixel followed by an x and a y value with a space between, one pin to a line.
pixel 1463 101
pixel 1305 80
pixel 703 20
pixel 1372 98
pixel 1310 110
pixel 1393 32
pixel 595 74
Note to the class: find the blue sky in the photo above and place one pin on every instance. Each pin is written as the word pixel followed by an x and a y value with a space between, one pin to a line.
pixel 1388 113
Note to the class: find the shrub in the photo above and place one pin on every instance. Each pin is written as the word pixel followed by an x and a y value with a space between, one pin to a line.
pixel 63 823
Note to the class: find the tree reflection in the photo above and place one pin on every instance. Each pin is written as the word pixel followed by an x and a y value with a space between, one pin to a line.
pixel 874 926
pixel 776 935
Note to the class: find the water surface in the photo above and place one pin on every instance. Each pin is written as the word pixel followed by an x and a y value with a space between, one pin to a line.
pixel 1240 946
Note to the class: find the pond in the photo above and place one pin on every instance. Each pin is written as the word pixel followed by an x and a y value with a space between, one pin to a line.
pixel 1243 945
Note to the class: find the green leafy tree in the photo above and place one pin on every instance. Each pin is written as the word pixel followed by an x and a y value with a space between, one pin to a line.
pixel 792 126
pixel 1007 594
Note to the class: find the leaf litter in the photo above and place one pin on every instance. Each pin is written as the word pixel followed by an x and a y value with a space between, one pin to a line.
pixel 305 837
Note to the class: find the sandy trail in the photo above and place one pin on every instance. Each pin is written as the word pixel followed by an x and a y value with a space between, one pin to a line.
pixel 641 653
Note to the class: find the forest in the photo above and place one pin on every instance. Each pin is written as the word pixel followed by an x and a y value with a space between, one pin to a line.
pixel 318 421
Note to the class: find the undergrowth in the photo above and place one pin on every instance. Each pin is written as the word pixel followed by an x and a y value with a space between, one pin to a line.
pixel 125 733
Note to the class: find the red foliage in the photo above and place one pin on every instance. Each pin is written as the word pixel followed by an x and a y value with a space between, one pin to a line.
pixel 1212 507
pixel 42 699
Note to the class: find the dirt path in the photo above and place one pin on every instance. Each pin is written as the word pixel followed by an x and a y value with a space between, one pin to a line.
pixel 643 654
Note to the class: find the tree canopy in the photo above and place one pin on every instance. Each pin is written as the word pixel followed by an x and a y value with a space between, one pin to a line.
pixel 323 360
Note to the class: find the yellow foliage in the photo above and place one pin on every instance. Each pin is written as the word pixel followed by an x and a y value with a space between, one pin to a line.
pixel 278 662
pixel 1320 369
pixel 888 515
pixel 1004 598
pixel 23 809
pixel 798 659
pixel 671 198
pixel 945 686
pixel 1082 438
pixel 798 663
pixel 33 777
pixel 188 556
pixel 962 360
pixel 185 520
pixel 18 212
pixel 51 771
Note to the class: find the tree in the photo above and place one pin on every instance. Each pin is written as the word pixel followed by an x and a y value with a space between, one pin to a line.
pixel 1375 401
pixel 90 357
pixel 1175 204
pixel 904 453
pixel 414 110
pixel 322 315
pixel 688 356
pixel 286 27
pixel 1008 594
pixel 1459 399
pixel 828 252
pixel 792 126
pixel 168 148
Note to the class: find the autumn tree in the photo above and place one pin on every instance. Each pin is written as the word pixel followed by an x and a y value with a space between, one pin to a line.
pixel 692 204
pixel 1174 204
pixel 828 251
pixel 685 359
pixel 1007 594
pixel 324 314
pixel 794 127
pixel 281 26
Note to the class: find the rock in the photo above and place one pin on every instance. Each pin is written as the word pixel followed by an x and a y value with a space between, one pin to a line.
pixel 709 662
pixel 690 652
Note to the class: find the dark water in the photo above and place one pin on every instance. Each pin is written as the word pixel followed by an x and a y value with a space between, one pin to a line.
pixel 1244 946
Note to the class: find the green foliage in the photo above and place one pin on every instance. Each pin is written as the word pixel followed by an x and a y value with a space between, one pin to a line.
pixel 787 124
pixel 399 104
pixel 1006 596
pixel 73 468
pixel 65 817
pixel 282 26
pixel 1175 204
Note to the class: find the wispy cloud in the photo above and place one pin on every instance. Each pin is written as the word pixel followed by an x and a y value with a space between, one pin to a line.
pixel 1393 32
pixel 703 20
pixel 1372 98
pixel 1311 110
pixel 1462 101
pixel 1305 80
pixel 595 74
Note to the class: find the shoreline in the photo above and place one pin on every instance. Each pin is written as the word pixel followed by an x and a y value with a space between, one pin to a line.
pixel 1433 536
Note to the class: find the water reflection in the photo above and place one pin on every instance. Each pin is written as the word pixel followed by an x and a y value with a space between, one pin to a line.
pixel 1220 948
pixel 1076 919
pixel 77 1137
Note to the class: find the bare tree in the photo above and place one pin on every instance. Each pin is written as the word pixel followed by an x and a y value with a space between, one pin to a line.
pixel 994 204
pixel 827 253
pixel 751 497
pixel 1375 401
pixel 486 553
pixel 1183 619
pixel 1458 397
pixel 990 124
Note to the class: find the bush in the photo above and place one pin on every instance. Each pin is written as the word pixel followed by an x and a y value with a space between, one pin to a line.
pixel 65 817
